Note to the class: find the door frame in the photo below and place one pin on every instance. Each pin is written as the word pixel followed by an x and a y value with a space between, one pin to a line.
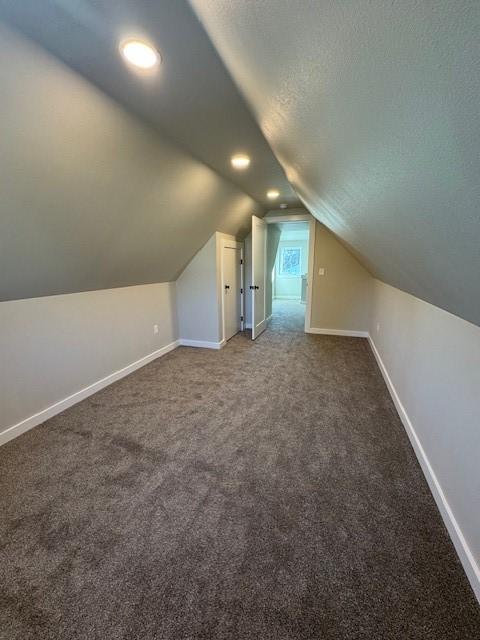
pixel 303 217
pixel 232 244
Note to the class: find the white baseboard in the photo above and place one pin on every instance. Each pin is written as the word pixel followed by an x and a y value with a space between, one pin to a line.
pixel 38 418
pixel 203 344
pixel 466 557
pixel 338 332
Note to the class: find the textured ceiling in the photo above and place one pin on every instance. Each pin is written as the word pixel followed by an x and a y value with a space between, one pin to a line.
pixel 192 99
pixel 372 108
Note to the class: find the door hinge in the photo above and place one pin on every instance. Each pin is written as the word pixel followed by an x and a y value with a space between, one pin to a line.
pixel 241 261
pixel 241 290
pixel 241 318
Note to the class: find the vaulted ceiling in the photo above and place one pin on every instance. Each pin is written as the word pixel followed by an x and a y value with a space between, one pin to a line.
pixel 111 178
pixel 193 99
pixel 372 109
pixel 91 197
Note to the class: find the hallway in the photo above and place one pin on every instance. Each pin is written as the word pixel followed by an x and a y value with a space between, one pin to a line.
pixel 267 490
pixel 288 315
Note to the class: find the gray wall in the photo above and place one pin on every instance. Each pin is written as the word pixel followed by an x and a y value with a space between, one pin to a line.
pixel 341 298
pixel 52 347
pixel 191 95
pixel 433 360
pixel 91 198
pixel 199 297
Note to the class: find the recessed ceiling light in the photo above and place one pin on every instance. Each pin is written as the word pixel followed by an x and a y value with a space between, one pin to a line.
pixel 240 161
pixel 283 205
pixel 140 54
pixel 273 194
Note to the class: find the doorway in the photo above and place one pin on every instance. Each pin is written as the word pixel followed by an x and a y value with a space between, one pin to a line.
pixel 288 251
pixel 279 274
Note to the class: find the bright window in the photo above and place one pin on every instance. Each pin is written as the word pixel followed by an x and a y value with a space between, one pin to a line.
pixel 290 262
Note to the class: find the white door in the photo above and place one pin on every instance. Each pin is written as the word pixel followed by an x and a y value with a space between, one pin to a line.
pixel 259 273
pixel 231 291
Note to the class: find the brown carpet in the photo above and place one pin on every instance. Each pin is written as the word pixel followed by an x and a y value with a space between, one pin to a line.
pixel 265 492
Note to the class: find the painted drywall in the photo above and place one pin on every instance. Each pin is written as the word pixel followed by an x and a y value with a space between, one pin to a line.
pixel 54 346
pixel 199 294
pixel 191 96
pixel 91 198
pixel 290 287
pixel 433 360
pixel 341 299
pixel 371 107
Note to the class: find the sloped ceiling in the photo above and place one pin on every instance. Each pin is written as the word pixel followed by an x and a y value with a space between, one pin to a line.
pixel 109 178
pixel 92 198
pixel 192 99
pixel 372 108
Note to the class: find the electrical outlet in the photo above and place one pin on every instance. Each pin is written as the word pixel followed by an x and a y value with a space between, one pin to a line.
pixel 378 327
pixel 321 271
pixel 155 329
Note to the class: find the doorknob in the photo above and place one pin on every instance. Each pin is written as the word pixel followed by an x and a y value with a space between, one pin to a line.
pixel 254 286
pixel 227 286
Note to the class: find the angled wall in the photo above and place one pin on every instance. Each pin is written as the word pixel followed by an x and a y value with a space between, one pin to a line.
pixel 371 107
pixel 431 362
pixel 91 198
pixel 199 297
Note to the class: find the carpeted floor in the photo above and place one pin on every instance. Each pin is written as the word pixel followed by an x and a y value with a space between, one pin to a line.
pixel 288 315
pixel 266 491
